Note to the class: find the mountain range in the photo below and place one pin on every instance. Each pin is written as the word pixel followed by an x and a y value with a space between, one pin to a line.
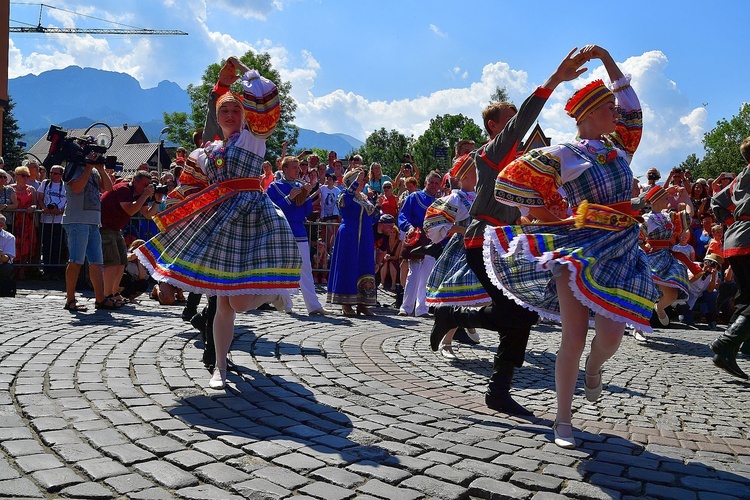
pixel 76 97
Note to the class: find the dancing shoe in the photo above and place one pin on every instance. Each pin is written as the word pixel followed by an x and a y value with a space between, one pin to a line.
pixel 364 310
pixel 446 351
pixel 592 393
pixel 219 379
pixel 283 303
pixel 567 443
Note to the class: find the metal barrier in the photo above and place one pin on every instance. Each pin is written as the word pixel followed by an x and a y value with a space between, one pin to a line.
pixel 44 246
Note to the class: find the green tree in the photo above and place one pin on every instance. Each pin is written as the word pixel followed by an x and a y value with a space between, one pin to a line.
pixel 13 154
pixel 722 145
pixel 444 132
pixel 500 94
pixel 386 148
pixel 691 163
pixel 199 94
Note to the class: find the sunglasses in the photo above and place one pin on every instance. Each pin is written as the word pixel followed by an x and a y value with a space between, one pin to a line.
pixel 23 175
pixel 710 263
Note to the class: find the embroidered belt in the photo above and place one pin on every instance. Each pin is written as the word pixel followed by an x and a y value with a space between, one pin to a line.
pixel 205 199
pixel 606 217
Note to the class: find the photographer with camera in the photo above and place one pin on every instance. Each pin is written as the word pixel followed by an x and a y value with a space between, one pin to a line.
pixel 118 206
pixel 652 179
pixel 51 197
pixel 84 182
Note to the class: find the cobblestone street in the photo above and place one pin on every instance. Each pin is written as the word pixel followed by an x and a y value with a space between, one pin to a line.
pixel 117 405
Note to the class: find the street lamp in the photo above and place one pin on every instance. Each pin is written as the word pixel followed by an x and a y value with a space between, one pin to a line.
pixel 158 151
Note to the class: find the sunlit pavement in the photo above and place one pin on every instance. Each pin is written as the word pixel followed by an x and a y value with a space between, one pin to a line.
pixel 116 404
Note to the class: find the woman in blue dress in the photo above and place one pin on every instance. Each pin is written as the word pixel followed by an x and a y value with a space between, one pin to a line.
pixel 589 267
pixel 352 279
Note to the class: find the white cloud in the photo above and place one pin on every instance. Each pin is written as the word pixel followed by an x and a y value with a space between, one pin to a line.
pixel 672 128
pixel 437 31
pixel 254 9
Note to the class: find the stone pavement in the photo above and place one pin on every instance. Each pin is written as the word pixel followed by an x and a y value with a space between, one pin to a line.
pixel 116 405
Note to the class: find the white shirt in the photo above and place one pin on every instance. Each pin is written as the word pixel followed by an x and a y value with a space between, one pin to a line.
pixel 7 244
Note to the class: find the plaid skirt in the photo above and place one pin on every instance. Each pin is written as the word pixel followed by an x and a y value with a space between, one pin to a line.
pixel 668 271
pixel 241 246
pixel 452 282
pixel 610 274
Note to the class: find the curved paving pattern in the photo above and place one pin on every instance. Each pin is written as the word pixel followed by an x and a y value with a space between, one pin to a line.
pixel 99 405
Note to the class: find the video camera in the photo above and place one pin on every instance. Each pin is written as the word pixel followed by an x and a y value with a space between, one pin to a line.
pixel 75 151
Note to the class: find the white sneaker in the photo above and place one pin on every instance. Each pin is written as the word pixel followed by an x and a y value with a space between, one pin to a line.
pixel 402 313
pixel 446 350
pixel 319 312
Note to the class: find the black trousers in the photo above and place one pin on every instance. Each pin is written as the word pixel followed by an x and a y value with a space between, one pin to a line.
pixel 741 270
pixel 513 321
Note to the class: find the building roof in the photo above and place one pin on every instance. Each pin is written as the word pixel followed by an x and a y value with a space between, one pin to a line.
pixel 129 144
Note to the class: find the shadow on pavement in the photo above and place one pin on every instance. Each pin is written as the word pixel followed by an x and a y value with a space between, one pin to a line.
pixel 272 415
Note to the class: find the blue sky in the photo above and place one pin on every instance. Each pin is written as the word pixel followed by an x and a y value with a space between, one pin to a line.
pixel 357 66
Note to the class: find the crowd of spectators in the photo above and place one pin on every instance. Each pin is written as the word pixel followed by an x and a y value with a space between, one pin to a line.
pixel 33 203
pixel 711 282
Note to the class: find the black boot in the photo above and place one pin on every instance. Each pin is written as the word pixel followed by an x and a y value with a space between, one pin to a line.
pixel 444 322
pixel 725 347
pixel 745 349
pixel 498 391
pixel 191 308
pixel 209 351
pixel 399 297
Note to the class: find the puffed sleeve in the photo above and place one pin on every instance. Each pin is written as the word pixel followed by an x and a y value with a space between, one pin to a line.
pixel 439 218
pixel 629 127
pixel 531 179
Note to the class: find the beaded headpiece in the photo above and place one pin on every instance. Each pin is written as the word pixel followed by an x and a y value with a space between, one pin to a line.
pixel 228 97
pixel 655 194
pixel 587 99
pixel 462 166
pixel 261 103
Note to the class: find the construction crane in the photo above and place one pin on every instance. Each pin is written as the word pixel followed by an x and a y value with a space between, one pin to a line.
pixel 127 30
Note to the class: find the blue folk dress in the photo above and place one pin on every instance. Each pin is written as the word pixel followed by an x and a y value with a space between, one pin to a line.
pixel 352 276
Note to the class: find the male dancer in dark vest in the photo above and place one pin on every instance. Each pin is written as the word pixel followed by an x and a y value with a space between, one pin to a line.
pixel 731 206
pixel 506 128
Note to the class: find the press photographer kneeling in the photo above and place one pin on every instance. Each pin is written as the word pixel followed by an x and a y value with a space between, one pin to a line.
pixel 118 206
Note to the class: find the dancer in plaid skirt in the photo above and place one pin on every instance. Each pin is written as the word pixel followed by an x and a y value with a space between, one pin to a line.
pixel 589 267
pixel 452 282
pixel 669 269
pixel 228 239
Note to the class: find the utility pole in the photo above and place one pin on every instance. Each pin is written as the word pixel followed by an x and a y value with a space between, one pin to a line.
pixel 4 42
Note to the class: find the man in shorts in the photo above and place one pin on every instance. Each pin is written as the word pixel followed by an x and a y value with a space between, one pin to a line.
pixel 81 219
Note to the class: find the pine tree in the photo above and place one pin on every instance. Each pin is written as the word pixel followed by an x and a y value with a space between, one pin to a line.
pixel 13 154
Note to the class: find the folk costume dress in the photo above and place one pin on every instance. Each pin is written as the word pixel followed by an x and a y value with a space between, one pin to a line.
pixel 352 277
pixel 666 268
pixel 228 238
pixel 452 282
pixel 610 274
